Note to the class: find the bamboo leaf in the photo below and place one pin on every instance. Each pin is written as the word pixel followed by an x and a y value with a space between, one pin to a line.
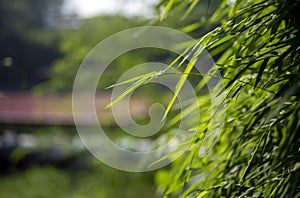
pixel 167 9
pixel 126 92
pixel 190 9
pixel 133 79
pixel 261 70
pixel 179 85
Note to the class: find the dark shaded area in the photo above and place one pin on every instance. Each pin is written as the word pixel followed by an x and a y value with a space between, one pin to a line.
pixel 23 150
pixel 28 45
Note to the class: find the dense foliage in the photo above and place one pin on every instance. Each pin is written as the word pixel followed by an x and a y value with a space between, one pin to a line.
pixel 257 151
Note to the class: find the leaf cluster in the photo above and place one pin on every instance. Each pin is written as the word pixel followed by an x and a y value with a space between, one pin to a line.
pixel 256 153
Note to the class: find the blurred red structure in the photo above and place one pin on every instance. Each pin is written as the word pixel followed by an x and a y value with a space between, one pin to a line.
pixel 54 109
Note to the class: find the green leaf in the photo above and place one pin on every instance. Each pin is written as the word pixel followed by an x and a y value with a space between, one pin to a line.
pixel 191 8
pixel 167 9
pixel 179 85
pixel 261 70
pixel 150 74
pixel 126 92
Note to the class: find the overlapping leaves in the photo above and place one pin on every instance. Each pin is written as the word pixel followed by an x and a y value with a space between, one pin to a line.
pixel 258 51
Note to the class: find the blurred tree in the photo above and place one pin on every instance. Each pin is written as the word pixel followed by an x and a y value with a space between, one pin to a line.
pixel 77 43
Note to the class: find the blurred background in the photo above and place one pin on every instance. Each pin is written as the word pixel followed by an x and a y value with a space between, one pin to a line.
pixel 43 42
